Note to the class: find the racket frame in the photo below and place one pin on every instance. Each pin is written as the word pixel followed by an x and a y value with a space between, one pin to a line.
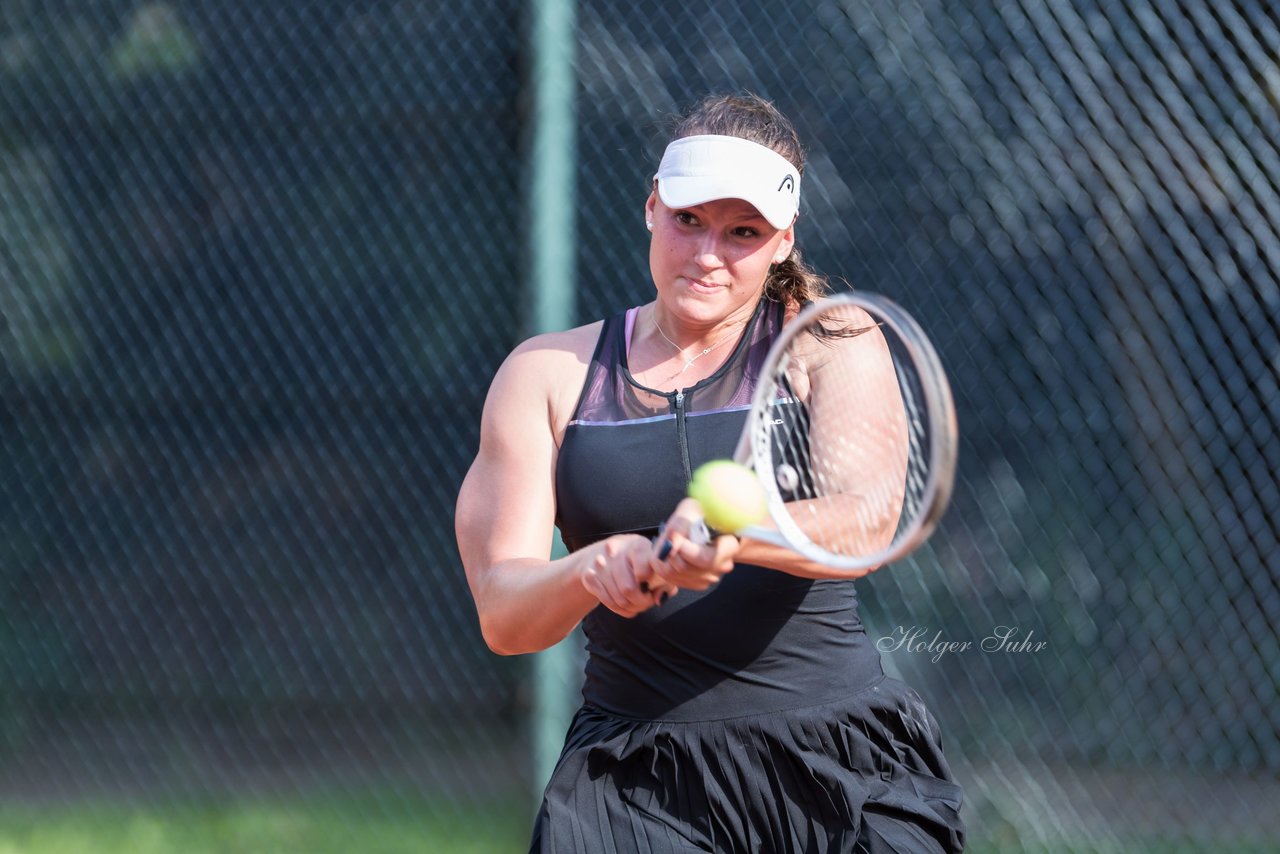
pixel 755 445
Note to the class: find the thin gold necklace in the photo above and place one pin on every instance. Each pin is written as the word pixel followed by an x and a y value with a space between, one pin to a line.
pixel 680 352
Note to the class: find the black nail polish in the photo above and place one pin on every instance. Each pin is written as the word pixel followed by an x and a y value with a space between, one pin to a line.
pixel 644 587
pixel 664 550
pixel 666 594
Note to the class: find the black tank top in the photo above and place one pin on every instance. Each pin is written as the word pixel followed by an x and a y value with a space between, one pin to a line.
pixel 758 641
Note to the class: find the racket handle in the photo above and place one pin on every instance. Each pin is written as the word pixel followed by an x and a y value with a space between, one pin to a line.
pixel 700 533
pixel 662 554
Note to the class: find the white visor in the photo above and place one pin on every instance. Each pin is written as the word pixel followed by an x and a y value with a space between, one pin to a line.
pixel 698 169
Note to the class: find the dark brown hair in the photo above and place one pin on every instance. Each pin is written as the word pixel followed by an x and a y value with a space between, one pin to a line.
pixel 751 117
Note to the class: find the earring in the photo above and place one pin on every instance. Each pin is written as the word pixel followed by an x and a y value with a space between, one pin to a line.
pixel 649 226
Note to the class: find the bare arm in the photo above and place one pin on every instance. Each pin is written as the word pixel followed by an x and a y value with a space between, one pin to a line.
pixel 506 512
pixel 858 442
pixel 858 445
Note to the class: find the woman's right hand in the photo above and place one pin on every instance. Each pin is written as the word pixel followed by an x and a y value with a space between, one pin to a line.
pixel 621 576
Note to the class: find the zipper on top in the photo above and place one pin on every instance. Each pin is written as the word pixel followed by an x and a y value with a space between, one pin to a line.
pixel 682 435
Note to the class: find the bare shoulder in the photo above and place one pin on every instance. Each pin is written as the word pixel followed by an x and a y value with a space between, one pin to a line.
pixel 549 368
pixel 567 346
pixel 832 314
pixel 846 310
pixel 506 504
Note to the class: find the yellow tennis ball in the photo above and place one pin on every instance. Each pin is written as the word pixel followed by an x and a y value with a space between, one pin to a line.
pixel 730 495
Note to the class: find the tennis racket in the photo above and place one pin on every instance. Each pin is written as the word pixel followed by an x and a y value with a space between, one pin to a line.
pixel 852 434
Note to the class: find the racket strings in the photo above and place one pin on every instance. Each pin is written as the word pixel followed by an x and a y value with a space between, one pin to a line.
pixel 917 468
pixel 846 441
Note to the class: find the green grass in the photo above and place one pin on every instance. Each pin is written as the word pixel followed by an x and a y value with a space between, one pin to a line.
pixel 385 824
pixel 1150 845
pixel 318 825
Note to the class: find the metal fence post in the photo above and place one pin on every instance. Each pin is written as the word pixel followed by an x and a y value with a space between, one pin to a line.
pixel 551 231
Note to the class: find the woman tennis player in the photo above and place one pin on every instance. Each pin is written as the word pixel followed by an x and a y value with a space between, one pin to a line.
pixel 733 701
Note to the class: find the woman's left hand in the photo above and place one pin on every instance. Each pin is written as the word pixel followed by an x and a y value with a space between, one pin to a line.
pixel 681 559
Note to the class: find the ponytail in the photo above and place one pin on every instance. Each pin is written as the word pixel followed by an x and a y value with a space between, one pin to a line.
pixel 792 282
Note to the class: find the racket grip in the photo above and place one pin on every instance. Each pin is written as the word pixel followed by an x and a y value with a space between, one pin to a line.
pixel 700 533
pixel 662 553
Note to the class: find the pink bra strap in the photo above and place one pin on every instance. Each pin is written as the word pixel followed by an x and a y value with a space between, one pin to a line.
pixel 631 324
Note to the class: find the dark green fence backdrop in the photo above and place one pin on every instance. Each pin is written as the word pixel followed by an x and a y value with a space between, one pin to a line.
pixel 259 261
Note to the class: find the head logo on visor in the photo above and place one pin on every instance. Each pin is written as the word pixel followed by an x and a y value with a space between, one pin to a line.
pixel 699 169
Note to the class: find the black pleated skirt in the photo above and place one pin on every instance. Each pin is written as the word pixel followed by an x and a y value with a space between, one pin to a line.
pixel 862 774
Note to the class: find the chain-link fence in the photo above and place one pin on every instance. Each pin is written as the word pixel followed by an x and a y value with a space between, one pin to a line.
pixel 253 272
pixel 259 261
